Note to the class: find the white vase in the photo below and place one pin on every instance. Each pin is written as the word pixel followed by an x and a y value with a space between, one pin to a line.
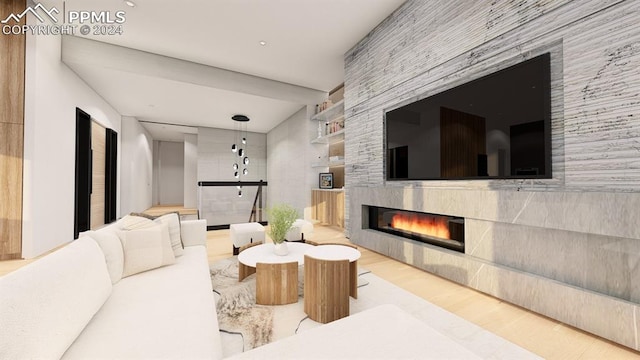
pixel 280 249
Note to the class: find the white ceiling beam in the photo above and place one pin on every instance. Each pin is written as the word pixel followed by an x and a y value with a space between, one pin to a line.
pixel 77 50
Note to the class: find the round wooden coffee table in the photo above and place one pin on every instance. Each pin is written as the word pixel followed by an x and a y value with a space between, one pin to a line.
pixel 276 275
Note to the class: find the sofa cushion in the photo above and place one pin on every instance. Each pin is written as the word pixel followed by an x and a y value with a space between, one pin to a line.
pixel 166 313
pixel 145 249
pixel 194 232
pixel 112 248
pixel 45 305
pixel 132 222
pixel 173 221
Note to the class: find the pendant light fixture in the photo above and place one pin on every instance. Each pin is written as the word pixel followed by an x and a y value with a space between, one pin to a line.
pixel 240 147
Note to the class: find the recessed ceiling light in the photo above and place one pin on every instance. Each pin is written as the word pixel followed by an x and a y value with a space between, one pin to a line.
pixel 263 43
pixel 130 3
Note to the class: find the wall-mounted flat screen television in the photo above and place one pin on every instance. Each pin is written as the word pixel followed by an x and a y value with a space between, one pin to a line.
pixel 494 127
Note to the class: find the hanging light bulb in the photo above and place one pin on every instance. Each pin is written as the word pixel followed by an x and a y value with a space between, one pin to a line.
pixel 240 193
pixel 240 138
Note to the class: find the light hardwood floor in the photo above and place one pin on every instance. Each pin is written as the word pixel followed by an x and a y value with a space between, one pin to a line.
pixel 548 338
pixel 164 209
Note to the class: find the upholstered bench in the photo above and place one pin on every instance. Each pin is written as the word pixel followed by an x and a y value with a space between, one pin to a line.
pixel 247 233
pixel 298 230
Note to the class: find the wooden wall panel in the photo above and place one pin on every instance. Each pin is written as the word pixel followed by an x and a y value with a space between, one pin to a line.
pixel 12 48
pixel 337 149
pixel 98 147
pixel 11 193
pixel 338 176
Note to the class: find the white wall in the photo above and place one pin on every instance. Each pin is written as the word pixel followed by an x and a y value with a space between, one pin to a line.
pixel 190 171
pixel 52 93
pixel 136 167
pixel 215 159
pixel 170 173
pixel 290 154
pixel 222 205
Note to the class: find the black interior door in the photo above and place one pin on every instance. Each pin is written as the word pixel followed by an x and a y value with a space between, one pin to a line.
pixel 111 169
pixel 82 209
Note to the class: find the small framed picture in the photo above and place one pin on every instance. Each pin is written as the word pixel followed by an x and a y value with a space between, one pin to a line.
pixel 326 180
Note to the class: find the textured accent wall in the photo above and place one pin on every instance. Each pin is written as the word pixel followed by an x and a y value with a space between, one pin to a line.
pixel 429 46
pixel 528 241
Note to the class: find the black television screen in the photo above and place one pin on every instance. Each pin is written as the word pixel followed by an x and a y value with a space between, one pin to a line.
pixel 495 127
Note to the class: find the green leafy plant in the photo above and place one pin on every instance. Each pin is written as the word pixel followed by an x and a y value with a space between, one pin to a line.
pixel 281 218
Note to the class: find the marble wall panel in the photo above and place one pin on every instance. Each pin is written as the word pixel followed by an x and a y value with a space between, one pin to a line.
pixel 575 277
pixel 606 316
pixel 602 264
pixel 608 214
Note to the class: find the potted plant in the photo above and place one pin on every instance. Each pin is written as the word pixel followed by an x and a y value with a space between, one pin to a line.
pixel 281 218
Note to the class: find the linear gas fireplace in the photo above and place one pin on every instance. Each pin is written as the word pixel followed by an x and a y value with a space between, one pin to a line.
pixel 441 230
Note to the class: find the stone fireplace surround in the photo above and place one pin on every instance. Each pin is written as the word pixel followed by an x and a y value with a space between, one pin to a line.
pixel 572 256
pixel 436 229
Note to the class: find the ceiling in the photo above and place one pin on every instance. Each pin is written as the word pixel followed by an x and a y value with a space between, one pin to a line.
pixel 302 60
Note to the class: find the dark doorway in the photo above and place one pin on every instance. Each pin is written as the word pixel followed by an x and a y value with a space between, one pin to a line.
pixel 85 175
pixel 111 172
pixel 82 208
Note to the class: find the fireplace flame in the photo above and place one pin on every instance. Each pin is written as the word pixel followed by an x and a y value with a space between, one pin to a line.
pixel 424 225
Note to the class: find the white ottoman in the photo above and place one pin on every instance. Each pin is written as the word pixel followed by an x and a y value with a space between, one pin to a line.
pixel 298 229
pixel 243 234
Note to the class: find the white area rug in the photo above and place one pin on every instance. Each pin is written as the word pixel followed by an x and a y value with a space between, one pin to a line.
pixel 259 325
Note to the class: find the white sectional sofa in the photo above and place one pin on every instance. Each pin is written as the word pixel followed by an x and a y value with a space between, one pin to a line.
pixel 88 301
pixel 68 305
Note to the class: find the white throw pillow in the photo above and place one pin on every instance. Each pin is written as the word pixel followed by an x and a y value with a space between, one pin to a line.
pixel 112 248
pixel 146 249
pixel 131 222
pixel 173 221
